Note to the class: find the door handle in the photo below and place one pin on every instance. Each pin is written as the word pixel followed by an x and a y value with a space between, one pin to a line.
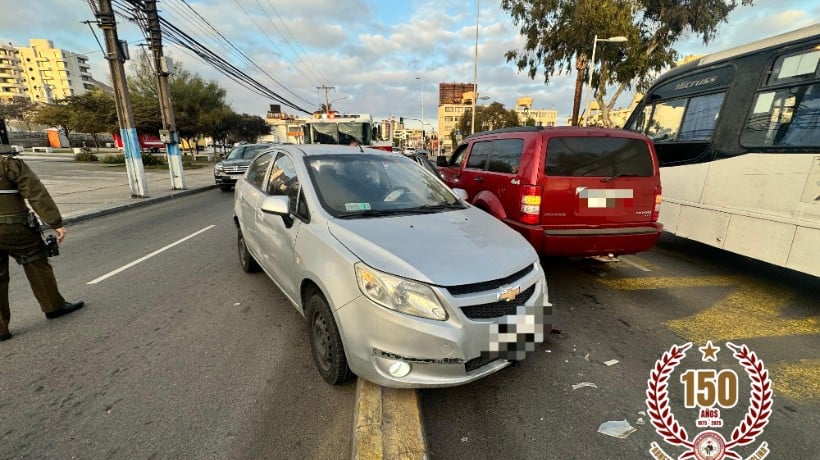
pixel 479 179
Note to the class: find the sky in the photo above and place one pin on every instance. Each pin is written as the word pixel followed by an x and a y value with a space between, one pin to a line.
pixel 383 57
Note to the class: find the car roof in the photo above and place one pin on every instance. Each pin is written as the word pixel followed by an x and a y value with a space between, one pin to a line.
pixel 561 131
pixel 307 150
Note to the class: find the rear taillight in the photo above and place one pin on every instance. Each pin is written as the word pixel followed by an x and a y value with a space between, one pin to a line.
pixel 530 204
pixel 657 210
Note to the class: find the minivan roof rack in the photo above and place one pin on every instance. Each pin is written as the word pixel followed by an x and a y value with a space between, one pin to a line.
pixel 513 129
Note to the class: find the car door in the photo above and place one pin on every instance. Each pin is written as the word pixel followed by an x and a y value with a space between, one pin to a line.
pixel 451 172
pixel 501 178
pixel 248 196
pixel 473 174
pixel 277 233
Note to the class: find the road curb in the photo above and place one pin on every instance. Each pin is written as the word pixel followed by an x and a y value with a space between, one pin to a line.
pixel 137 203
pixel 387 424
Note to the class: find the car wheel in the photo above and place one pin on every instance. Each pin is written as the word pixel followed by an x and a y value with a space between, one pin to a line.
pixel 325 342
pixel 247 261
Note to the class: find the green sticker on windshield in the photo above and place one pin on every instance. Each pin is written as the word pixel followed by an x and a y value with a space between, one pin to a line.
pixel 357 206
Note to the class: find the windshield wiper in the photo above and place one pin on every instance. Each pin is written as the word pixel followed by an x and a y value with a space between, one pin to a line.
pixel 607 179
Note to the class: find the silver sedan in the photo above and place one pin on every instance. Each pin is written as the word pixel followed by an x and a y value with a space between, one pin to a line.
pixel 401 282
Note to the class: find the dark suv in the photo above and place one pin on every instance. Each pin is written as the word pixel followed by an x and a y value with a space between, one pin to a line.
pixel 227 171
pixel 571 191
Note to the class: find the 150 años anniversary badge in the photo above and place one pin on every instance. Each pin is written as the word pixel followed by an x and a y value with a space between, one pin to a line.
pixel 708 391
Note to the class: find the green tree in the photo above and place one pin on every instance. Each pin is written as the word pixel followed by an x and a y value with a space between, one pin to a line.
pixel 493 116
pixel 57 114
pixel 248 128
pixel 560 33
pixel 199 106
pixel 93 112
pixel 16 109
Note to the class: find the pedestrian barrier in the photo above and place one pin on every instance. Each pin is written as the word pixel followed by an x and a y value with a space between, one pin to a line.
pixel 42 149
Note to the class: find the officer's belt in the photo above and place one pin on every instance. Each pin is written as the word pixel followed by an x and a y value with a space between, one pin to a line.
pixel 9 191
pixel 18 219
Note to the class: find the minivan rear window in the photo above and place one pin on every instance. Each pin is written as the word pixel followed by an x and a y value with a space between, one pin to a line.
pixel 598 156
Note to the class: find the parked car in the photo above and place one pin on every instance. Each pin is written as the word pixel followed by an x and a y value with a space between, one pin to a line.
pixel 569 191
pixel 228 170
pixel 400 281
pixel 424 162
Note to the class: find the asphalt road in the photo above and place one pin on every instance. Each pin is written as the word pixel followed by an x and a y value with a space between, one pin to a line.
pixel 633 311
pixel 181 355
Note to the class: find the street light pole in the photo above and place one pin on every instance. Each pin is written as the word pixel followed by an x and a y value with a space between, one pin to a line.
pixel 475 70
pixel 423 144
pixel 591 67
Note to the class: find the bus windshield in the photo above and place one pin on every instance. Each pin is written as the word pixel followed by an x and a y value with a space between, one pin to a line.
pixel 341 132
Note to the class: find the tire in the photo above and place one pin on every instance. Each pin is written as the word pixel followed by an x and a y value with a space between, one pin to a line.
pixel 325 343
pixel 249 264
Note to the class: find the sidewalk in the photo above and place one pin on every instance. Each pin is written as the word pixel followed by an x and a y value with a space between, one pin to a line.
pixel 85 190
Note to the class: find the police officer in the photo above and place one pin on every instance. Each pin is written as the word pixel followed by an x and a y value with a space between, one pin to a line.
pixel 24 243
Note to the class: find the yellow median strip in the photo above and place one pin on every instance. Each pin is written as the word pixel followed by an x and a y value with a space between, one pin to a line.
pixel 752 309
pixel 660 282
pixel 387 424
pixel 798 381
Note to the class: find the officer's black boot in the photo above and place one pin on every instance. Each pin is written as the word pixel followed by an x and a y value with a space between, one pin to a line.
pixel 69 307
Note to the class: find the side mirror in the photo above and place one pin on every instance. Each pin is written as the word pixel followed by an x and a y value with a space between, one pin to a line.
pixel 441 160
pixel 277 204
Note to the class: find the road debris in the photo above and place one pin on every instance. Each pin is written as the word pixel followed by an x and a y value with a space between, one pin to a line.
pixel 584 384
pixel 640 421
pixel 617 429
pixel 611 362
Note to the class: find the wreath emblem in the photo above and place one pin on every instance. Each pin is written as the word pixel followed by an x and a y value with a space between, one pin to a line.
pixel 667 426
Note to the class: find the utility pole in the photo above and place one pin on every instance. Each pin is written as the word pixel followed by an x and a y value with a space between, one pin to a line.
pixel 327 101
pixel 128 132
pixel 161 66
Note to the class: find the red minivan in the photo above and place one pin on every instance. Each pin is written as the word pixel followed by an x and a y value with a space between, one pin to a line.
pixel 571 191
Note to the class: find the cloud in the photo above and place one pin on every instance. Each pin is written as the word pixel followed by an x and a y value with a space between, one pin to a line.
pixel 369 50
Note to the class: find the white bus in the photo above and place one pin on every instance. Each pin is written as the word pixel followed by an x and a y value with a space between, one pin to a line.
pixel 343 129
pixel 738 138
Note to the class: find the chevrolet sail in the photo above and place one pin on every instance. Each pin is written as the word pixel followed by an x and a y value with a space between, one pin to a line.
pixel 400 281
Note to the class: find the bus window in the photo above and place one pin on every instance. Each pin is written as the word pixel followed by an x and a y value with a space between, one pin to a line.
pixel 786 117
pixel 701 117
pixel 666 120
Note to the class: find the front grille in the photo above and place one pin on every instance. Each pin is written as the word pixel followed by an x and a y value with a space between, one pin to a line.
pixel 236 169
pixel 489 285
pixel 481 361
pixel 498 308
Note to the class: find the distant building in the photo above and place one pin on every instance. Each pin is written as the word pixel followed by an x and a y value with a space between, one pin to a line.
pixel 456 99
pixel 541 117
pixel 51 74
pixel 12 83
pixel 617 116
pixel 284 127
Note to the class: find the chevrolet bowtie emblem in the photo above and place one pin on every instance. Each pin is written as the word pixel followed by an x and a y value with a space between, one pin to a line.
pixel 509 293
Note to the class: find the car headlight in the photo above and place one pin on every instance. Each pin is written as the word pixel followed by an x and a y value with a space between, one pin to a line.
pixel 399 294
pixel 218 168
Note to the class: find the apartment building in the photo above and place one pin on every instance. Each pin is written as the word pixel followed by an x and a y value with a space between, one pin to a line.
pixel 12 84
pixel 51 74
pixel 456 99
pixel 541 117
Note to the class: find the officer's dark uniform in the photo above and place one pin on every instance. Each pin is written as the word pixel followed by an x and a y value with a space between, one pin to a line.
pixel 18 182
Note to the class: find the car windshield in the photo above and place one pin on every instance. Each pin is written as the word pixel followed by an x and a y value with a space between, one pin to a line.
pixel 372 185
pixel 246 152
